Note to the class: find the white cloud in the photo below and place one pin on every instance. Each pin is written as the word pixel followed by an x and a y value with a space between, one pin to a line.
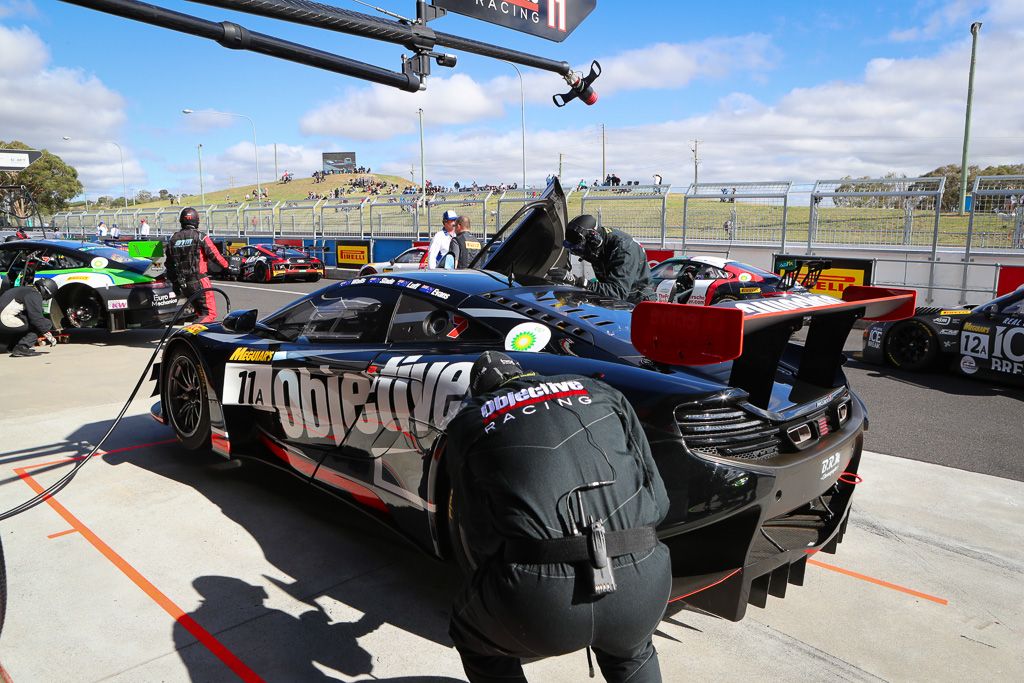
pixel 236 166
pixel 939 20
pixel 14 8
pixel 903 115
pixel 43 103
pixel 377 112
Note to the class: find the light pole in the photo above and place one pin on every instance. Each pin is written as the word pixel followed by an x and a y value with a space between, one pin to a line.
pixel 423 177
pixel 202 192
pixel 124 185
pixel 522 115
pixel 255 147
pixel 975 27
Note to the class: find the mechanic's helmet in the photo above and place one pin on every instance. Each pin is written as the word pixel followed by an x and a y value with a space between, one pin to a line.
pixel 189 218
pixel 583 237
pixel 491 370
pixel 47 288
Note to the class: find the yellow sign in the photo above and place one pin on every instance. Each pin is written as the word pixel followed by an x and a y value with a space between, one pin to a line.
pixel 353 254
pixel 834 280
pixel 251 355
pixel 749 290
pixel 194 329
pixel 958 311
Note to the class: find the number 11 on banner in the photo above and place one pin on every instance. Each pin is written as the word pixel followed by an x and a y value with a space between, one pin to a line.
pixel 556 14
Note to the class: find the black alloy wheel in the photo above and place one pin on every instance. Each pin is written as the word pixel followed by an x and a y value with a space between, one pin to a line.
pixel 911 346
pixel 186 400
pixel 84 309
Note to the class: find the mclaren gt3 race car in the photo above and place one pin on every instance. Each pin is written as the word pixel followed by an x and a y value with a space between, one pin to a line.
pixel 984 341
pixel 100 286
pixel 708 280
pixel 350 388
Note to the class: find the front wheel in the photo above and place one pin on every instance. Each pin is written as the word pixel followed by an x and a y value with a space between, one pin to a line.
pixel 912 346
pixel 188 406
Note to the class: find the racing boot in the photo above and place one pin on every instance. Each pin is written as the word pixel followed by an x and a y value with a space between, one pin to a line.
pixel 21 350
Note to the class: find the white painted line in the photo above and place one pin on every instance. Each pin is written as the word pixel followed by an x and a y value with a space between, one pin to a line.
pixel 264 289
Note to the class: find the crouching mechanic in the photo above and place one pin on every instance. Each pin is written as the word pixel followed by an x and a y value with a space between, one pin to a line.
pixel 21 317
pixel 620 263
pixel 188 255
pixel 558 497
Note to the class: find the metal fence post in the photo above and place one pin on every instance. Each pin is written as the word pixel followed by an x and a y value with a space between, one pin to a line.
pixel 664 218
pixel 785 217
pixel 935 245
pixel 686 200
pixel 967 242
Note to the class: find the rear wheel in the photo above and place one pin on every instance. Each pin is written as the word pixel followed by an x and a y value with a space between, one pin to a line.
pixel 313 278
pixel 187 403
pixel 724 297
pixel 82 308
pixel 912 345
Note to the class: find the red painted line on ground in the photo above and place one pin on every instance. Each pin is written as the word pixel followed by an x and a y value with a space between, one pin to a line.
pixel 62 533
pixel 4 676
pixel 878 582
pixel 176 613
pixel 73 458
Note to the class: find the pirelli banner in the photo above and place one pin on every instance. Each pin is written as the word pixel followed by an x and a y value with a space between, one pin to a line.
pixel 842 273
pixel 352 253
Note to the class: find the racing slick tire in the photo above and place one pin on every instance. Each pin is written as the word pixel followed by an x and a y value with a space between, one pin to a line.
pixel 259 273
pixel 911 345
pixel 314 278
pixel 188 406
pixel 457 537
pixel 82 308
pixel 724 297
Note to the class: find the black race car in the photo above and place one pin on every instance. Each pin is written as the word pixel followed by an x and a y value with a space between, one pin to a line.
pixel 984 341
pixel 350 388
pixel 100 286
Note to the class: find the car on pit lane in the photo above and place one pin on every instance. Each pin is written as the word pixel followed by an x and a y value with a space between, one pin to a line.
pixel 410 259
pixel 717 279
pixel 271 263
pixel 99 286
pixel 351 387
pixel 984 341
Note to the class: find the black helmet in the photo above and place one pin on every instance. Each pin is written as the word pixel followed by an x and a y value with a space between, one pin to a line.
pixel 47 288
pixel 189 218
pixel 583 237
pixel 491 370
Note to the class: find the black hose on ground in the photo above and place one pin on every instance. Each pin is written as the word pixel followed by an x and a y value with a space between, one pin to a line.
pixel 57 486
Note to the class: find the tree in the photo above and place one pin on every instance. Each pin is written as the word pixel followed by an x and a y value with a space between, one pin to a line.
pixel 143 196
pixel 163 194
pixel 951 191
pixel 50 181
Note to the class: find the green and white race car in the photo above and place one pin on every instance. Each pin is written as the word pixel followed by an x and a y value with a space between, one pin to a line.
pixel 99 286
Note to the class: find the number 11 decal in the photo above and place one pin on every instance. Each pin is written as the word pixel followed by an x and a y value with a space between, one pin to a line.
pixel 556 14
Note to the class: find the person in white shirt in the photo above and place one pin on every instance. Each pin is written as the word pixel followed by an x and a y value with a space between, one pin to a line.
pixel 441 242
pixel 144 228
pixel 101 230
pixel 115 232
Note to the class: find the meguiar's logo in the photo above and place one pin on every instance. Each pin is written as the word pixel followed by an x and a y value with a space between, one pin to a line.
pixel 251 355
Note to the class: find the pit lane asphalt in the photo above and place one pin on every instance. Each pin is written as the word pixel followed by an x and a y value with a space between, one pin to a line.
pixel 935 417
pixel 157 564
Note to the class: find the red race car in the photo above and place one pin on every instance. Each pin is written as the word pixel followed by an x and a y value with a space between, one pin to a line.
pixel 276 262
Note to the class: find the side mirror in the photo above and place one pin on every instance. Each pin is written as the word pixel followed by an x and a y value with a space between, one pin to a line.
pixel 241 322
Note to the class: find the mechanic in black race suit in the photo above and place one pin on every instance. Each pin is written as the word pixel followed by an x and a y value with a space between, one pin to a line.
pixel 188 255
pixel 22 320
pixel 541 468
pixel 620 263
pixel 464 246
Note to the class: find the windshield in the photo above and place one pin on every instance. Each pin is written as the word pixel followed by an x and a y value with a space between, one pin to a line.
pixel 115 258
pixel 290 253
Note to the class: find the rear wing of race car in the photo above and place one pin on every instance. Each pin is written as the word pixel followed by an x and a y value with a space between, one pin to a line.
pixel 790 270
pixel 754 333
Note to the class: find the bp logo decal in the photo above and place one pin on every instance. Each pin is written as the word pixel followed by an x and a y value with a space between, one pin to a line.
pixel 527 337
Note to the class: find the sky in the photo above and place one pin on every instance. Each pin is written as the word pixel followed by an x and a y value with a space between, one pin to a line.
pixel 784 90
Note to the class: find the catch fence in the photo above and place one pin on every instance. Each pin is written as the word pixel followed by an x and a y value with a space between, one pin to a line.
pixel 395 215
pixel 752 212
pixel 225 220
pixel 472 204
pixel 511 201
pixel 258 218
pixel 997 213
pixel 875 212
pixel 639 210
pixel 342 217
pixel 298 217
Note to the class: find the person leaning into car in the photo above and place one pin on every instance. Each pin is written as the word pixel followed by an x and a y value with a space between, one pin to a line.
pixel 557 495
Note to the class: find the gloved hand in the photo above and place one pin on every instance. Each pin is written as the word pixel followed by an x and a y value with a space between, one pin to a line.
pixel 50 339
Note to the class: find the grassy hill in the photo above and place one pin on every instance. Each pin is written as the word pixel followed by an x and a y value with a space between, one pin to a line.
pixel 298 188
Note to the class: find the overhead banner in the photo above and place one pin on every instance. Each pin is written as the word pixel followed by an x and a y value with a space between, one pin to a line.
pixel 843 273
pixel 17 159
pixel 551 19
